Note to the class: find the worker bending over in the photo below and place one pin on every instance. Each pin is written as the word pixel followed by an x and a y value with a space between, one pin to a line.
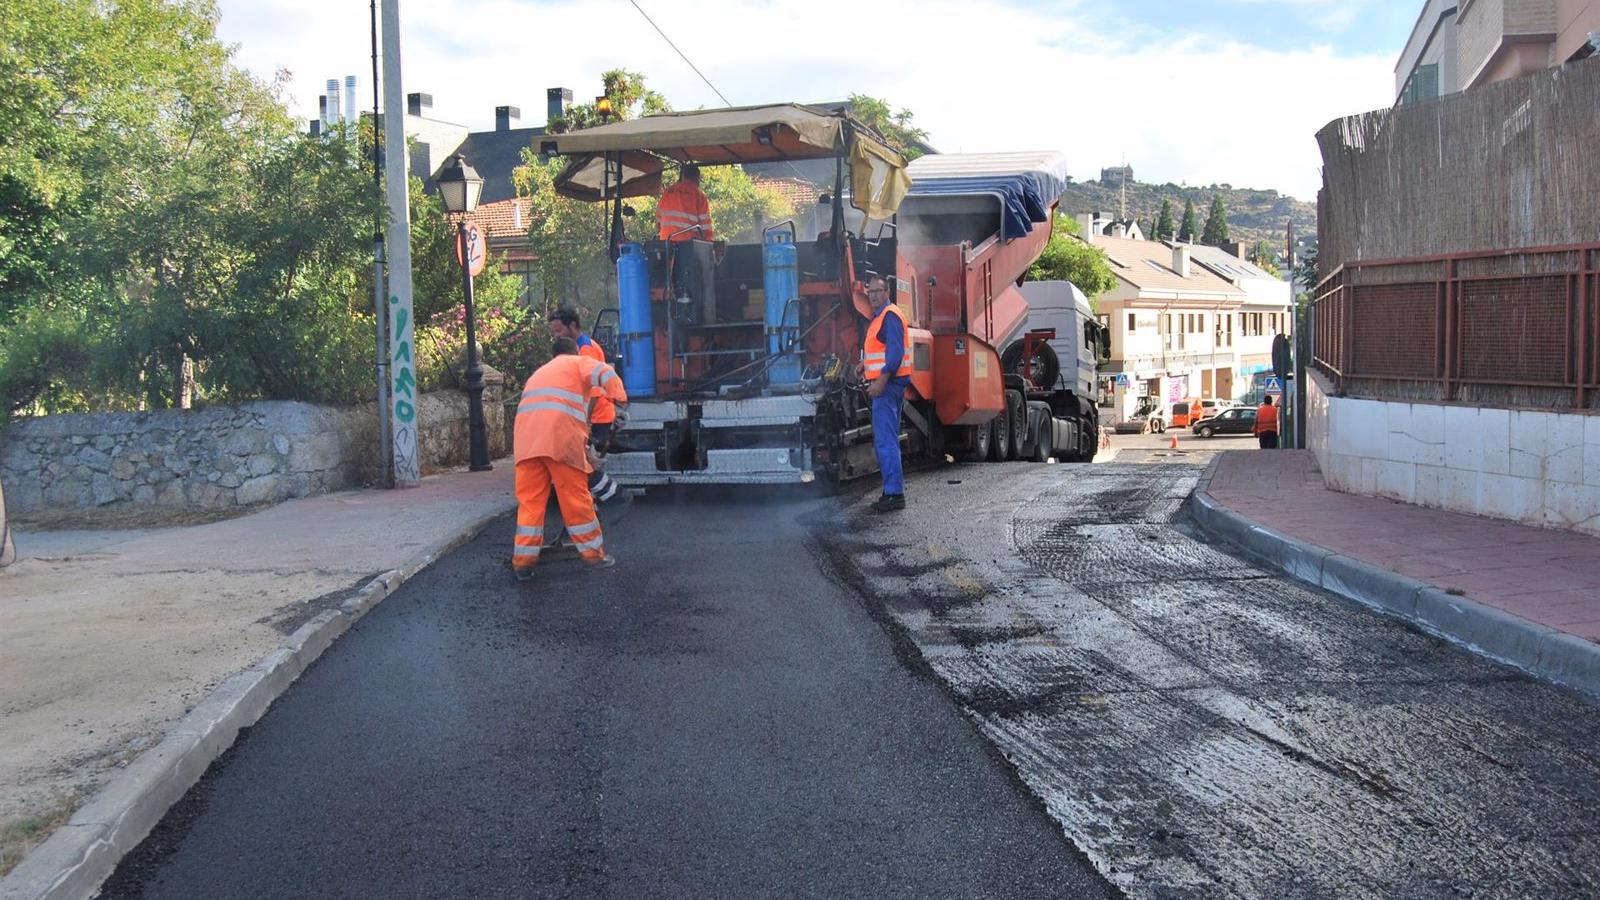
pixel 565 323
pixel 683 212
pixel 887 368
pixel 551 444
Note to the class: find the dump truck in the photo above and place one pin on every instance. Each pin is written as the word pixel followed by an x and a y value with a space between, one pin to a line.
pixel 741 359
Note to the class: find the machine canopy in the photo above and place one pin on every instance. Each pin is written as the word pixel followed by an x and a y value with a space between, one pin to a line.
pixel 1024 184
pixel 748 134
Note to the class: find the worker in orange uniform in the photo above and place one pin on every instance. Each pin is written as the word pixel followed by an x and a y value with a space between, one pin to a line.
pixel 1267 424
pixel 683 211
pixel 887 368
pixel 565 323
pixel 551 444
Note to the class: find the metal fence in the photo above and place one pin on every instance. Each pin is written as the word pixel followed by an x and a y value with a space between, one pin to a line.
pixel 1518 327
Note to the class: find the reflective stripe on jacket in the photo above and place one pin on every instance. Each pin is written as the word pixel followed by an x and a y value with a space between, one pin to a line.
pixel 874 351
pixel 684 206
pixel 604 412
pixel 553 415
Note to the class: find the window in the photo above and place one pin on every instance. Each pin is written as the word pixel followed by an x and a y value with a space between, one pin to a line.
pixel 1132 325
pixel 1422 85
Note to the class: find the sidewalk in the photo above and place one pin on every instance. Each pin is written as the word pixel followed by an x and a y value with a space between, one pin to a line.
pixel 1530 596
pixel 107 638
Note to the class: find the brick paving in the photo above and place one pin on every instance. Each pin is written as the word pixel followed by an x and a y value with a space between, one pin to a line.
pixel 1546 576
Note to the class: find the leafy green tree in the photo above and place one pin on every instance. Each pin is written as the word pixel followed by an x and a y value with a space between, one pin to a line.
pixel 1164 228
pixel 1065 258
pixel 894 125
pixel 1216 230
pixel 629 98
pixel 1305 269
pixel 1262 255
pixel 1189 228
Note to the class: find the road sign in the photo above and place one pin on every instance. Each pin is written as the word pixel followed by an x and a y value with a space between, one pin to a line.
pixel 1282 361
pixel 476 246
pixel 1122 380
pixel 1274 386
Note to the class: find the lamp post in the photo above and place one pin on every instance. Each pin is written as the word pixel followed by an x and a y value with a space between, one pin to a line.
pixel 460 186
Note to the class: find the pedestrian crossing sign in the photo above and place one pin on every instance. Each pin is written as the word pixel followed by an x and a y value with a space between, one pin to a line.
pixel 1274 386
pixel 1122 379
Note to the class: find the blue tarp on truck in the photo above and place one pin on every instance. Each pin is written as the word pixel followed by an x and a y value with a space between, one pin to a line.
pixel 1025 184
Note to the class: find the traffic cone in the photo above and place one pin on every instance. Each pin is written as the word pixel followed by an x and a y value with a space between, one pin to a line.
pixel 1174 442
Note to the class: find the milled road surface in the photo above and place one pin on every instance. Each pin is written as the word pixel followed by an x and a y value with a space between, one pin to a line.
pixel 1203 728
pixel 713 717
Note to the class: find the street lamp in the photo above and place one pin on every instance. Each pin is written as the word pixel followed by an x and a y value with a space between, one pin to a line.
pixel 459 187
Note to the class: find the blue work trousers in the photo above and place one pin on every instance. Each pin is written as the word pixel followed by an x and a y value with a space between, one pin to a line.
pixel 886 435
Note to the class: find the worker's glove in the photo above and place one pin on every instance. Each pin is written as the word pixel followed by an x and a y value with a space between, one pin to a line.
pixel 621 420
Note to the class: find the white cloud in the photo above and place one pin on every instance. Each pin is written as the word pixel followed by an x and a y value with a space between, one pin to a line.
pixel 979 76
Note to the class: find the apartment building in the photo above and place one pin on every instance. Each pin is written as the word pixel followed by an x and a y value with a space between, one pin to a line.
pixel 1458 44
pixel 1174 326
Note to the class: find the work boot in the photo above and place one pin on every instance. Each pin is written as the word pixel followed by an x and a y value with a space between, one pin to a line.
pixel 522 574
pixel 604 562
pixel 889 503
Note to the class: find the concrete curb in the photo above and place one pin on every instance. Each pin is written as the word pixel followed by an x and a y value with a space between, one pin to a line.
pixel 1486 630
pixel 81 854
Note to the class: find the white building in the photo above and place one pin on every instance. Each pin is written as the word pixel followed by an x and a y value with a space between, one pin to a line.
pixel 1265 312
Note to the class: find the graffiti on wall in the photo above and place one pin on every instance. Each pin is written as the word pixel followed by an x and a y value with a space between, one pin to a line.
pixel 402 369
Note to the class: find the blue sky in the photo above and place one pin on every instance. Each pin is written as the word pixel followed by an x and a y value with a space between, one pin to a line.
pixel 1197 92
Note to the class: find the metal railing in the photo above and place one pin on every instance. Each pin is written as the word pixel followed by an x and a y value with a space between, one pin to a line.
pixel 1523 321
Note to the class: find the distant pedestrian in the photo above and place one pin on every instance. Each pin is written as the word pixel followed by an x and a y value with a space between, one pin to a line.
pixel 1267 424
pixel 551 447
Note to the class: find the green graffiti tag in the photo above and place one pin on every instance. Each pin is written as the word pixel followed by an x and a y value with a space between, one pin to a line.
pixel 405 381
pixel 404 411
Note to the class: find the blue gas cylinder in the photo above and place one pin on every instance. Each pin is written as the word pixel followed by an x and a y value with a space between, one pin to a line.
pixel 633 312
pixel 780 262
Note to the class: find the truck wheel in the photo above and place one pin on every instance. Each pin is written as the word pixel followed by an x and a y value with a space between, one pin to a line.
pixel 1088 441
pixel 1158 426
pixel 1000 436
pixel 980 441
pixel 1045 446
pixel 1019 424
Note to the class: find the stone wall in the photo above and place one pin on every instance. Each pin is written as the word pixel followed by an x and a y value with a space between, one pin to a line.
pixel 218 457
pixel 1530 466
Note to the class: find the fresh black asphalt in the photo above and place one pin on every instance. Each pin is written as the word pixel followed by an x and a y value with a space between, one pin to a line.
pixel 713 717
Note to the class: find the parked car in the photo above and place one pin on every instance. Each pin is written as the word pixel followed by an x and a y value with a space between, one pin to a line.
pixel 1234 420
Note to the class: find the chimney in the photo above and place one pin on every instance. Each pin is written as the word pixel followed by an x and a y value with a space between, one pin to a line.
pixel 1180 259
pixel 1119 230
pixel 506 117
pixel 1086 227
pixel 418 104
pixel 322 113
pixel 350 101
pixel 557 99
pixel 333 101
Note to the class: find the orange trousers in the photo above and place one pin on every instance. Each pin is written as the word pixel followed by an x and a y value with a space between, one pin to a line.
pixel 535 477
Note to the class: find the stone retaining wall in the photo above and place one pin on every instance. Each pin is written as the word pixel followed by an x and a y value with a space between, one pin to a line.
pixel 218 457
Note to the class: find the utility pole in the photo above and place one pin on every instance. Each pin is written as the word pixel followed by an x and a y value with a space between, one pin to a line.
pixel 1302 349
pixel 380 353
pixel 402 348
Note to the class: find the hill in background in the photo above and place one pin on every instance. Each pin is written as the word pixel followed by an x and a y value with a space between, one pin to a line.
pixel 1253 215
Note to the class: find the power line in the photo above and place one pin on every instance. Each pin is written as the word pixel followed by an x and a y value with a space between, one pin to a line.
pixel 680 53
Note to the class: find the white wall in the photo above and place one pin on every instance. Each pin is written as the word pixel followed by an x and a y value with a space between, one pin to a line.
pixel 1533 467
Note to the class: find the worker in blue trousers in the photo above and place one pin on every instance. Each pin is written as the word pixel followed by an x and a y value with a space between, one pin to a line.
pixel 887 368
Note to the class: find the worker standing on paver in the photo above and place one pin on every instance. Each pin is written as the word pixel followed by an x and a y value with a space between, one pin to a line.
pixel 551 448
pixel 684 213
pixel 1267 424
pixel 887 369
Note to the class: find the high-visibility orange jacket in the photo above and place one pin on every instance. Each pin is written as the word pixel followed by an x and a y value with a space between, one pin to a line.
pixel 604 413
pixel 684 206
pixel 1266 418
pixel 874 353
pixel 553 415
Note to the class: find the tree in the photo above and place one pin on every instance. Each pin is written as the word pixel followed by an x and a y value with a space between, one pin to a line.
pixel 1216 230
pixel 1065 258
pixel 629 98
pixel 894 126
pixel 1262 255
pixel 1189 228
pixel 1305 269
pixel 1164 229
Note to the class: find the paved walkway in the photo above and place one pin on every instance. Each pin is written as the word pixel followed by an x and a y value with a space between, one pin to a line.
pixel 108 637
pixel 1549 577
